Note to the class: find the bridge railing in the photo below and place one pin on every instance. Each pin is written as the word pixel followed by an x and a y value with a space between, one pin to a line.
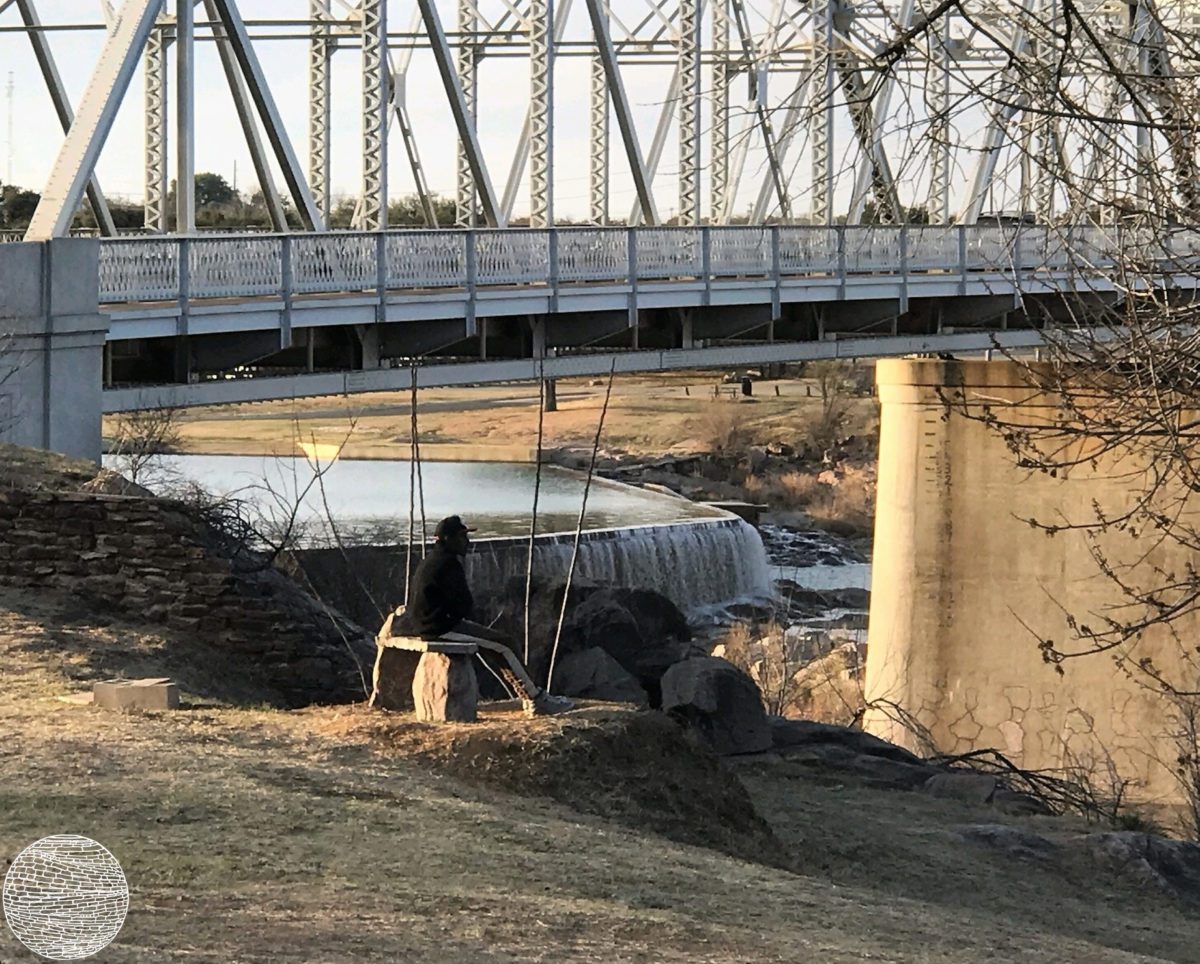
pixel 153 268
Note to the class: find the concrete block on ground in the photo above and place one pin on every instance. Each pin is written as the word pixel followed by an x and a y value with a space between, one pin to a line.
pixel 136 694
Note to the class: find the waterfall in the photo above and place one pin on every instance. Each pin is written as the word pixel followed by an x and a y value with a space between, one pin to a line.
pixel 694 564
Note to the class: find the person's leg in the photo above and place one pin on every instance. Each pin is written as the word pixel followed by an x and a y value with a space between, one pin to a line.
pixel 513 665
pixel 489 641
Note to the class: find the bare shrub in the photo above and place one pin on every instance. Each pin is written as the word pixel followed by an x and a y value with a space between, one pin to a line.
pixel 825 429
pixel 850 502
pixel 720 429
pixel 791 490
pixel 763 653
pixel 143 436
pixel 829 689
pixel 802 488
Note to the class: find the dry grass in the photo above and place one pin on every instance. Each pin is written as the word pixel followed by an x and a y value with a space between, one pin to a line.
pixel 337 834
pixel 650 415
pixel 849 504
pixel 844 503
pixel 32 469
pixel 721 429
pixel 795 489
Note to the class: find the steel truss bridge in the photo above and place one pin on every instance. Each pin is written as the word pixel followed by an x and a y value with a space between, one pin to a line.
pixel 769 132
pixel 531 303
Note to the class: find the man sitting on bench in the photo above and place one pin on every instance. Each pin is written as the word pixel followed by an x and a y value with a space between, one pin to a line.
pixel 440 602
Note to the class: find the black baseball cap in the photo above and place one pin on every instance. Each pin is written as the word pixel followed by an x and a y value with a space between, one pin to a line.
pixel 450 526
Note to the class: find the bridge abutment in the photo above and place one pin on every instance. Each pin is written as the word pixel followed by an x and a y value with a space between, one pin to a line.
pixel 51 346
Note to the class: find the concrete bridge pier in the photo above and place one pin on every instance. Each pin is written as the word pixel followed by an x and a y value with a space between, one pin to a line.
pixel 963 588
pixel 51 346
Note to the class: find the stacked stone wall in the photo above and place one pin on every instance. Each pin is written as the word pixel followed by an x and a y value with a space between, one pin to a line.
pixel 151 560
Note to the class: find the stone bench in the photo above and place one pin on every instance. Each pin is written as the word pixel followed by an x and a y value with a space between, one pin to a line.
pixel 433 677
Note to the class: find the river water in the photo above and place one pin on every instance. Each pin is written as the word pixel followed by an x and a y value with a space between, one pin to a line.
pixel 370 497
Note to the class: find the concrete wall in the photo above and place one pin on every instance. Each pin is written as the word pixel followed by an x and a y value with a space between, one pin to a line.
pixel 51 346
pixel 962 588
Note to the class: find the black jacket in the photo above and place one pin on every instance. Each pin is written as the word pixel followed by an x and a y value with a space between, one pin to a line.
pixel 440 598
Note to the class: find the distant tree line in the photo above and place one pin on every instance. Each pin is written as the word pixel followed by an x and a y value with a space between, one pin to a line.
pixel 218 205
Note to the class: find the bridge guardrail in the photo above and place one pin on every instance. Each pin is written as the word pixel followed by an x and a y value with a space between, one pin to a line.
pixel 136 269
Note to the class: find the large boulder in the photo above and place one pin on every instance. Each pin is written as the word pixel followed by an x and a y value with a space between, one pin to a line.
pixel 719 702
pixel 788 734
pixel 592 674
pixel 640 629
pixel 1172 866
pixel 830 687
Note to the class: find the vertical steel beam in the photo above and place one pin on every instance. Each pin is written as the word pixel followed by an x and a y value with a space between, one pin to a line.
pixel 598 141
pixel 821 123
pixel 689 112
pixel 620 101
pixel 937 97
pixel 155 216
pixel 791 120
pixel 320 56
pixel 76 159
pixel 516 171
pixel 245 111
pixel 762 110
pixel 373 211
pixel 185 117
pixel 541 108
pixel 285 156
pixel 719 102
pixel 62 106
pixel 465 191
pixel 463 116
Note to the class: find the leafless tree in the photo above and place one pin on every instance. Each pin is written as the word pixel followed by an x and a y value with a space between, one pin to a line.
pixel 141 438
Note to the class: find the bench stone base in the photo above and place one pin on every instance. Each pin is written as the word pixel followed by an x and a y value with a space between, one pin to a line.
pixel 434 678
pixel 445 689
pixel 392 680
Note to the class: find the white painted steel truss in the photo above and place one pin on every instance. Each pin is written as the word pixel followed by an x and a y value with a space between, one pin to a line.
pixel 851 112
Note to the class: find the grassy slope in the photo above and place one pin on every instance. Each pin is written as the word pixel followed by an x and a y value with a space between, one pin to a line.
pixel 326 835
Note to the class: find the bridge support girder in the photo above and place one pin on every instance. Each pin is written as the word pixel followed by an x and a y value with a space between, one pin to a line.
pixel 52 354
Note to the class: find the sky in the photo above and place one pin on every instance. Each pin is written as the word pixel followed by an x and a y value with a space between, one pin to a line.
pixel 503 102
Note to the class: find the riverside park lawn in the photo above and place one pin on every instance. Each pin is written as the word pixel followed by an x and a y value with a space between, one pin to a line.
pixel 341 834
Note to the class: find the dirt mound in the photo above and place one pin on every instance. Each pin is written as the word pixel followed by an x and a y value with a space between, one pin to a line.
pixel 158 564
pixel 637 768
pixel 34 469
pixel 54 643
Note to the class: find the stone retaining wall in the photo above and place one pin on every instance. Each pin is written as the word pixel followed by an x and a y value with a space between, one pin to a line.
pixel 149 559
